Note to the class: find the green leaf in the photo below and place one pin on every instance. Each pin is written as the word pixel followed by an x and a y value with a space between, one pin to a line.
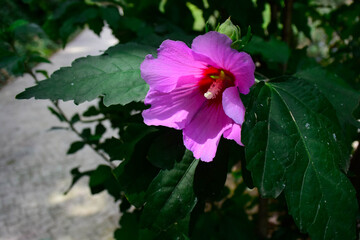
pixel 43 72
pixel 91 111
pixel 114 75
pixel 130 228
pixel 228 222
pixel 166 149
pixel 344 98
pixel 57 114
pixel 112 16
pixel 136 173
pixel 170 196
pixel 103 178
pixel 134 133
pixel 76 176
pixel 75 146
pixel 38 59
pixel 111 147
pixel 86 133
pixel 100 129
pixel 294 143
pixel 210 177
pixel 75 118
pixel 272 51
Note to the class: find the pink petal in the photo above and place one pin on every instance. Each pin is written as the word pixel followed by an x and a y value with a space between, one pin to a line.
pixel 214 45
pixel 203 133
pixel 232 104
pixel 175 59
pixel 234 133
pixel 217 47
pixel 243 69
pixel 174 109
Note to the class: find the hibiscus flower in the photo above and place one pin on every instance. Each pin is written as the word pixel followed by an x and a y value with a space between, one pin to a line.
pixel 197 90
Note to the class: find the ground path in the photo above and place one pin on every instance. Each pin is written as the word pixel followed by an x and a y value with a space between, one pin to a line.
pixel 34 167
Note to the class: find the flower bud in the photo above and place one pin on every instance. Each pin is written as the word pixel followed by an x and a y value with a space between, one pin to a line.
pixel 230 30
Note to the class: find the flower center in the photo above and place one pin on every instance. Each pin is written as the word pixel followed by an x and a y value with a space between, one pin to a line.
pixel 214 83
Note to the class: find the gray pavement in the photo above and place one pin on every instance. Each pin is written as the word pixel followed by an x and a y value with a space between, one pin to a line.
pixel 34 167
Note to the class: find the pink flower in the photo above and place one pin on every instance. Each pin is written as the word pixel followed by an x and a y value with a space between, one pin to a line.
pixel 197 90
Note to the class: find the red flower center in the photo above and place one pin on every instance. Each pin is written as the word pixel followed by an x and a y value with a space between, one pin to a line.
pixel 214 82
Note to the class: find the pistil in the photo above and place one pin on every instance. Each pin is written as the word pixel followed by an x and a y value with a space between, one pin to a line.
pixel 214 89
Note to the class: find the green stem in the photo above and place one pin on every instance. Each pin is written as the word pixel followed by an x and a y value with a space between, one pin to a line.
pixel 262 223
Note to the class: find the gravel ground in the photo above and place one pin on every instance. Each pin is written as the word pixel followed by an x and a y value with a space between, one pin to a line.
pixel 34 167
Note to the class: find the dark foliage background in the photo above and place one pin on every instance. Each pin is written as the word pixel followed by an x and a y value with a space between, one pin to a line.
pixel 307 58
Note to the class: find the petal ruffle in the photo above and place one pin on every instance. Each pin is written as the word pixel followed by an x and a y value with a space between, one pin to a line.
pixel 217 47
pixel 234 133
pixel 175 59
pixel 203 133
pixel 232 104
pixel 175 109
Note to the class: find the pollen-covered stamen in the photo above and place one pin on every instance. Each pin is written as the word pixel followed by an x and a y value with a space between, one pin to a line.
pixel 220 82
pixel 214 89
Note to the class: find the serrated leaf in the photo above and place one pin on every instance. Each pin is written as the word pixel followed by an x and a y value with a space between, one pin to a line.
pixel 294 143
pixel 170 196
pixel 114 75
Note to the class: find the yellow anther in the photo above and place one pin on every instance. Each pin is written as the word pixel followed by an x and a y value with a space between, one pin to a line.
pixel 222 74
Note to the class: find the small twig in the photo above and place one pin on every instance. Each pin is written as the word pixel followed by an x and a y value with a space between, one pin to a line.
pixel 29 71
pixel 93 120
pixel 71 125
pixel 287 30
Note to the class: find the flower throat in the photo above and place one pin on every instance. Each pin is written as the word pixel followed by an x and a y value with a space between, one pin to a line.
pixel 214 83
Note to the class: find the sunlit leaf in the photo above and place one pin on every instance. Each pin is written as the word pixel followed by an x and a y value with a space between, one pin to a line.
pixel 114 75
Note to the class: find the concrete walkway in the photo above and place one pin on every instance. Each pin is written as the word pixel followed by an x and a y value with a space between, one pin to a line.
pixel 34 167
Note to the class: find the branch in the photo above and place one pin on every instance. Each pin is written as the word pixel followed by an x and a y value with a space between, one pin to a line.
pixel 287 31
pixel 71 125
pixel 262 222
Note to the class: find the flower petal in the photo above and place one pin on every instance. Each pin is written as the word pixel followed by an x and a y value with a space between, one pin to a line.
pixel 232 104
pixel 174 109
pixel 175 59
pixel 214 45
pixel 217 47
pixel 234 133
pixel 243 69
pixel 203 133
